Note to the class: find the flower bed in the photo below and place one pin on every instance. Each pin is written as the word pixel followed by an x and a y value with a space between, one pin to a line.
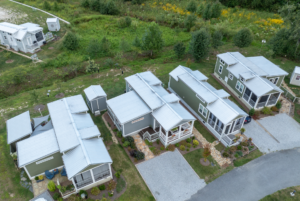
pixel 235 152
pixel 188 145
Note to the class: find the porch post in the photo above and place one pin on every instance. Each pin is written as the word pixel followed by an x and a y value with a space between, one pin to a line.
pixel 278 98
pixel 74 185
pixel 256 102
pixel 92 175
pixel 179 132
pixel 193 125
pixel 268 99
pixel 166 137
pixel 109 165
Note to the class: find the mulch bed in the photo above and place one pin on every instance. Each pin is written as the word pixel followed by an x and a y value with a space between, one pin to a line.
pixel 204 163
pixel 41 107
pixel 60 95
pixel 9 61
pixel 190 149
pixel 245 153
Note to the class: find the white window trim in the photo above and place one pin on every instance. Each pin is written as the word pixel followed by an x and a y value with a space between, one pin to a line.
pixel 238 88
pixel 221 69
pixel 44 160
pixel 222 62
pixel 273 80
pixel 230 76
pixel 200 98
pixel 204 108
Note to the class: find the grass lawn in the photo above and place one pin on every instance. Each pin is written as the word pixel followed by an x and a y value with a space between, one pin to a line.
pixel 220 147
pixel 242 161
pixel 204 132
pixel 283 195
pixel 209 173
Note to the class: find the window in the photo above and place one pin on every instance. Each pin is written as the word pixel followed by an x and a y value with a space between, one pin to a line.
pixel 39 36
pixel 220 69
pixel 222 62
pixel 9 34
pixel 230 76
pixel 5 37
pixel 242 79
pixel 298 77
pixel 274 80
pixel 239 86
pixel 202 110
pixel 200 98
pixel 18 40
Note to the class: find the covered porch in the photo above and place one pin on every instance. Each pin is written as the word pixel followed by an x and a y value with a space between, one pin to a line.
pixel 257 102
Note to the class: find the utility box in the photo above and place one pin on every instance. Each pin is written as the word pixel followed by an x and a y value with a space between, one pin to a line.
pixel 53 24
pixel 295 77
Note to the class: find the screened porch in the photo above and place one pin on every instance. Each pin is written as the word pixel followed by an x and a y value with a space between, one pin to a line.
pixel 259 102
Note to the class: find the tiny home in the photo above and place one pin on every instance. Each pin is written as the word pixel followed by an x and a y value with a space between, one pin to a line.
pixel 96 98
pixel 211 106
pixel 295 77
pixel 26 37
pixel 70 140
pixel 254 80
pixel 53 24
pixel 148 109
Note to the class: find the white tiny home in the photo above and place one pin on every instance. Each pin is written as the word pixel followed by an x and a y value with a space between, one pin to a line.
pixel 96 99
pixel 53 24
pixel 295 77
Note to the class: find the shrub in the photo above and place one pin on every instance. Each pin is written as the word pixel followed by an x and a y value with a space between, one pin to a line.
pixel 83 192
pixel 147 142
pixel 139 155
pixel 278 105
pixel 200 9
pixel 251 112
pixel 243 130
pixel 192 6
pixel 126 144
pixel 94 48
pixel 232 149
pixel 102 187
pixel 236 155
pixel 193 137
pixel 56 196
pixel 119 134
pixel 110 8
pixel 123 140
pixel 73 198
pixel 157 141
pixel 36 178
pixel 274 109
pixel 156 152
pixel 243 38
pixel 51 186
pixel 129 149
pixel 266 111
pixel 189 22
pixel 206 14
pixel 60 199
pixel 95 191
pixel 85 3
pixel 118 174
pixel 179 50
pixel 195 142
pixel 245 149
pixel 250 148
pixel 162 148
pixel 199 44
pixel 239 153
pixel 182 148
pixel 55 6
pixel 71 41
pixel 244 144
pixel 239 147
pixel 225 154
pixel 122 22
pixel 189 145
pixel 46 5
pixel 216 10
pixel 171 147
pixel 256 114
pixel 104 47
pixel 129 139
pixel 189 140
pixel 109 63
pixel 184 143
pixel 177 145
pixel 128 21
pixel 111 185
pixel 217 39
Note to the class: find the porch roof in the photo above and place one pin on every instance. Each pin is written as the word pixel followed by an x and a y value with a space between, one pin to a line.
pixel 227 58
pixel 261 86
pixel 94 91
pixel 128 106
pixel 18 127
pixel 182 70
pixel 37 147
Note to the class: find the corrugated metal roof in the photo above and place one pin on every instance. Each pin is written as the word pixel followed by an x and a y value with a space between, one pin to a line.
pixel 20 34
pixel 52 19
pixel 76 104
pixel 176 72
pixel 274 86
pixel 89 132
pixel 199 75
pixel 94 91
pixel 270 68
pixel 150 78
pixel 258 86
pixel 97 151
pixel 222 93
pixel 128 106
pixel 31 26
pixel 170 98
pixel 36 147
pixel 234 106
pixel 297 69
pixel 227 58
pixel 237 69
pixel 144 91
pixel 14 26
pixel 160 90
pixel 40 129
pixel 18 127
pixel 83 120
pixel 8 29
pixel 247 75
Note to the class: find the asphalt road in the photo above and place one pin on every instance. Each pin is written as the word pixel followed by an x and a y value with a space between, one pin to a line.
pixel 256 179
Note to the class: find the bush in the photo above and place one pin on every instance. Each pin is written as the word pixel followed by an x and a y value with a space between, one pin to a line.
pixel 110 8
pixel 225 154
pixel 251 112
pixel 85 3
pixel 182 148
pixel 156 152
pixel 217 39
pixel 206 14
pixel 128 21
pixel 123 140
pixel 119 134
pixel 184 143
pixel 189 22
pixel 46 5
pixel 139 155
pixel 162 148
pixel 126 144
pixel 278 105
pixel 111 185
pixel 244 144
pixel 243 38
pixel 105 48
pixel 199 45
pixel 179 50
pixel 60 199
pixel 189 140
pixel 177 145
pixel 256 114
pixel 102 187
pixel 56 196
pixel 157 141
pixel 239 153
pixel 274 109
pixel 83 192
pixel 232 149
pixel 251 147
pixel 95 191
pixel 195 142
pixel 239 147
pixel 109 63
pixel 200 9
pixel 236 155
pixel 71 41
pixel 189 145
pixel 51 186
pixel 129 139
pixel 94 48
pixel 171 147
pixel 122 22
pixel 266 111
pixel 55 7
pixel 216 10
pixel 192 6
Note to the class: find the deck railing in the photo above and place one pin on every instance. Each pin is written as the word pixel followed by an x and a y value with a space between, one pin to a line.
pixel 150 137
pixel 272 101
pixel 245 97
pixel 101 175
pixel 261 104
pixel 211 123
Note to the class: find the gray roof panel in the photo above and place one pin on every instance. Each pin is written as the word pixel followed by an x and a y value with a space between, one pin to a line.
pixel 234 106
pixel 18 127
pixel 76 104
pixel 150 78
pixel 94 91
pixel 238 69
pixel 176 72
pixel 83 120
pixel 227 58
pixel 222 93
pixel 89 132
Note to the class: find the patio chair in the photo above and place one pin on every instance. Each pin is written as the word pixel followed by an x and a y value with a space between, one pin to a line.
pixel 63 172
pixel 55 171
pixel 49 175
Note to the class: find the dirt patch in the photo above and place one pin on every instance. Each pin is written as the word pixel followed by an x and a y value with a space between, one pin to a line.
pixel 1 50
pixel 51 48
pixel 204 163
pixel 60 95
pixel 298 112
pixel 9 61
pixel 39 107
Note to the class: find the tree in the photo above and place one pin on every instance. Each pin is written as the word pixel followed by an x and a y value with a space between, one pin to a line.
pixel 192 6
pixel 217 39
pixel 85 3
pixel 92 66
pixel 207 12
pixel 179 50
pixel 47 6
pixel 216 10
pixel 200 9
pixel 56 7
pixel 152 39
pixel 124 45
pixel 94 48
pixel 243 38
pixel 71 41
pixel 206 152
pixel 34 96
pixel 105 46
pixel 189 22
pixel 110 9
pixel 199 44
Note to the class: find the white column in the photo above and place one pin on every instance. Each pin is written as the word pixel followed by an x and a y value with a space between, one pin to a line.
pixel 98 104
pixel 179 132
pixel 110 170
pixel 192 126
pixel 28 173
pixel 256 102
pixel 166 138
pixel 92 175
pixel 74 185
pixel 268 100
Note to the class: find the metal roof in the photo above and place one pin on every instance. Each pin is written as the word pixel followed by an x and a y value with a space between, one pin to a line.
pixel 270 68
pixel 82 120
pixel 142 89
pixel 89 132
pixel 76 104
pixel 150 78
pixel 237 108
pixel 37 147
pixel 237 69
pixel 8 29
pixel 52 19
pixel 40 129
pixel 91 152
pixel 247 75
pixel 170 98
pixel 94 91
pixel 176 72
pixel 227 58
pixel 38 120
pixel 297 70
pixel 20 34
pixel 18 127
pixel 31 26
pixel 222 93
pixel 128 106
pixel 258 86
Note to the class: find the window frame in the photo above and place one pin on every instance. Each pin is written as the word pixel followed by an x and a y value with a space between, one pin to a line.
pixel 273 80
pixel 238 86
pixel 204 114
pixel 222 62
pixel 297 77
pixel 221 68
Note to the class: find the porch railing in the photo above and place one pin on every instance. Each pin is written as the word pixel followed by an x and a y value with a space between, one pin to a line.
pixel 211 123
pixel 262 104
pixel 101 175
pixel 246 97
pixel 150 137
pixel 272 101
pixel 84 182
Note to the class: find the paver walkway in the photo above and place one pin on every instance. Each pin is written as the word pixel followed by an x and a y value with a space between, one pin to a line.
pixel 40 187
pixel 285 105
pixel 141 145
pixel 256 179
pixel 214 152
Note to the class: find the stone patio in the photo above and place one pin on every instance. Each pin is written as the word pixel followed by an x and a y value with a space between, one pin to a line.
pixel 140 144
pixel 285 105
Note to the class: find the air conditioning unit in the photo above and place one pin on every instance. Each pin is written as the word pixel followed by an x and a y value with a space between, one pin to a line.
pixel 97 112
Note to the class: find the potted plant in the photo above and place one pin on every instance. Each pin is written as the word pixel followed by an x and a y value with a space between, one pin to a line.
pixel 174 129
pixel 243 130
pixel 39 178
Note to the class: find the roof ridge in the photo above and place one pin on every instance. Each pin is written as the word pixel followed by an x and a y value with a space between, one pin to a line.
pixel 250 69
pixel 166 103
pixel 209 89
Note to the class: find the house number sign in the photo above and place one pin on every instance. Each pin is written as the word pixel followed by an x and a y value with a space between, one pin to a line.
pixel 137 120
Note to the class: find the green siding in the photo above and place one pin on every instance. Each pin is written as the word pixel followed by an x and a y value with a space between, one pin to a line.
pixel 89 167
pixel 279 80
pixel 36 169
pixel 188 95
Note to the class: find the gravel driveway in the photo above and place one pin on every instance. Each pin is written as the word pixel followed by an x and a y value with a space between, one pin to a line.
pixel 274 133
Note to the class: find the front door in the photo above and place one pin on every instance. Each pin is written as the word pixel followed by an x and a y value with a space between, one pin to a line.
pixel 29 41
pixel 226 79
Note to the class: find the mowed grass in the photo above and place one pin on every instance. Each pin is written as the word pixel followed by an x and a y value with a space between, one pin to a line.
pixel 243 160
pixel 284 195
